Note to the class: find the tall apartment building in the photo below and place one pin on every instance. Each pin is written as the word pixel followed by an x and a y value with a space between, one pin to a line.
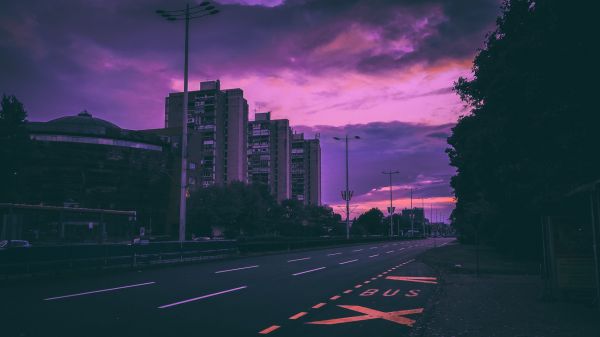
pixel 269 149
pixel 306 170
pixel 217 121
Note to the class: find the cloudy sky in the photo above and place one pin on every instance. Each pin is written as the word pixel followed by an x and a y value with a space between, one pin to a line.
pixel 380 69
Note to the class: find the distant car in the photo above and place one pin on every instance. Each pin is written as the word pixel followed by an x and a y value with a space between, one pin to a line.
pixel 6 244
pixel 139 241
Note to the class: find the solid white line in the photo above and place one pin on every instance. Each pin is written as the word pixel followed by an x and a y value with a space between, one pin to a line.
pixel 374 255
pixel 349 261
pixel 201 297
pixel 302 259
pixel 99 291
pixel 389 251
pixel 228 270
pixel 357 250
pixel 333 254
pixel 374 247
pixel 308 271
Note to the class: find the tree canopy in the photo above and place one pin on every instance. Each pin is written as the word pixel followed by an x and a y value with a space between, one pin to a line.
pixel 531 134
pixel 14 148
pixel 238 209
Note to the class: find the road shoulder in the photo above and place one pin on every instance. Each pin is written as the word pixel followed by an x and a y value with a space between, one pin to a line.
pixel 504 301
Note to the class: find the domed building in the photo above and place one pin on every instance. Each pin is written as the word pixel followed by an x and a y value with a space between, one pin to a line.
pixel 84 161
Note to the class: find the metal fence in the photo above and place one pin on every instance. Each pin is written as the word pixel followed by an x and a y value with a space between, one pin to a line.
pixel 56 259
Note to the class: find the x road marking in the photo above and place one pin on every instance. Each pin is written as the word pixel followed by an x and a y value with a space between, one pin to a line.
pixel 392 316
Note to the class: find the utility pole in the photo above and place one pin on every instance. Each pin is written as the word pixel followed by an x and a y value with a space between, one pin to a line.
pixel 412 216
pixel 198 11
pixel 423 220
pixel 347 194
pixel 391 209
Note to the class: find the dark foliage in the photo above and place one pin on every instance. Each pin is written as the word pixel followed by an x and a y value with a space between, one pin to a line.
pixel 532 134
pixel 250 210
pixel 14 148
pixel 370 222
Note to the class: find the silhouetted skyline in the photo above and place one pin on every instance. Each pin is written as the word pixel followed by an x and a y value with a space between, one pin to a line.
pixel 382 69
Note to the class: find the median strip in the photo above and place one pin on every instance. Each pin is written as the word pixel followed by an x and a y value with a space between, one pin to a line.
pixel 307 271
pixel 98 291
pixel 202 297
pixel 234 269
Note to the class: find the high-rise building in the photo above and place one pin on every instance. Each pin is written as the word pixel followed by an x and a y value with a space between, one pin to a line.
pixel 306 170
pixel 218 118
pixel 269 148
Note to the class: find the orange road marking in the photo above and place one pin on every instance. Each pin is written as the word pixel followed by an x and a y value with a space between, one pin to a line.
pixel 417 279
pixel 335 297
pixel 347 291
pixel 269 329
pixel 317 306
pixel 298 315
pixel 392 316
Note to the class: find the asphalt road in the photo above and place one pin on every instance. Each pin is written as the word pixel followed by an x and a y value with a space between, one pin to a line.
pixel 359 290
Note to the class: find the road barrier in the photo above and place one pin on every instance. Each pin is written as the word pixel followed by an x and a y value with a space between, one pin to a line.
pixel 283 244
pixel 56 259
pixel 15 262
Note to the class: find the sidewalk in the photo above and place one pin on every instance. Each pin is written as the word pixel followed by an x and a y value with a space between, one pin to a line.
pixel 503 302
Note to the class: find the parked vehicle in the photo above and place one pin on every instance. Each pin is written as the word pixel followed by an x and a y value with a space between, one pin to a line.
pixel 7 244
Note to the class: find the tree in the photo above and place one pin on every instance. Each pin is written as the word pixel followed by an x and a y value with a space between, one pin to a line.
pixel 532 128
pixel 371 221
pixel 14 149
pixel 250 210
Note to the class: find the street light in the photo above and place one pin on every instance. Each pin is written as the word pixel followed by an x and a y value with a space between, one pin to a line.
pixel 195 12
pixel 347 195
pixel 391 210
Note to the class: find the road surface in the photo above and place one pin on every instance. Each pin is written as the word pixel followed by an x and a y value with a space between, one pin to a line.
pixel 370 290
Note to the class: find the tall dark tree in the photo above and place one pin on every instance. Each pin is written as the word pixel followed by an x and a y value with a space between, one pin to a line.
pixel 532 131
pixel 371 221
pixel 14 149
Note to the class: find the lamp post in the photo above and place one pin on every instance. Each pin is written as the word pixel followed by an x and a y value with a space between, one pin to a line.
pixel 195 12
pixel 347 195
pixel 391 210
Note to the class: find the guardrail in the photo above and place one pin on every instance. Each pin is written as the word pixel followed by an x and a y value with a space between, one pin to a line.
pixel 54 259
pixel 15 262
pixel 283 244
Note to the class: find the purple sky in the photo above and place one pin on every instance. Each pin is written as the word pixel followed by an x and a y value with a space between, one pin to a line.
pixel 381 69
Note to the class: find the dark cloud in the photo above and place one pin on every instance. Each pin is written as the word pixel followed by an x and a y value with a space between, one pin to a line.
pixel 56 54
pixel 405 147
pixel 440 135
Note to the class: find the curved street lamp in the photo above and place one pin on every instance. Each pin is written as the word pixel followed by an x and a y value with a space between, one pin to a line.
pixel 347 195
